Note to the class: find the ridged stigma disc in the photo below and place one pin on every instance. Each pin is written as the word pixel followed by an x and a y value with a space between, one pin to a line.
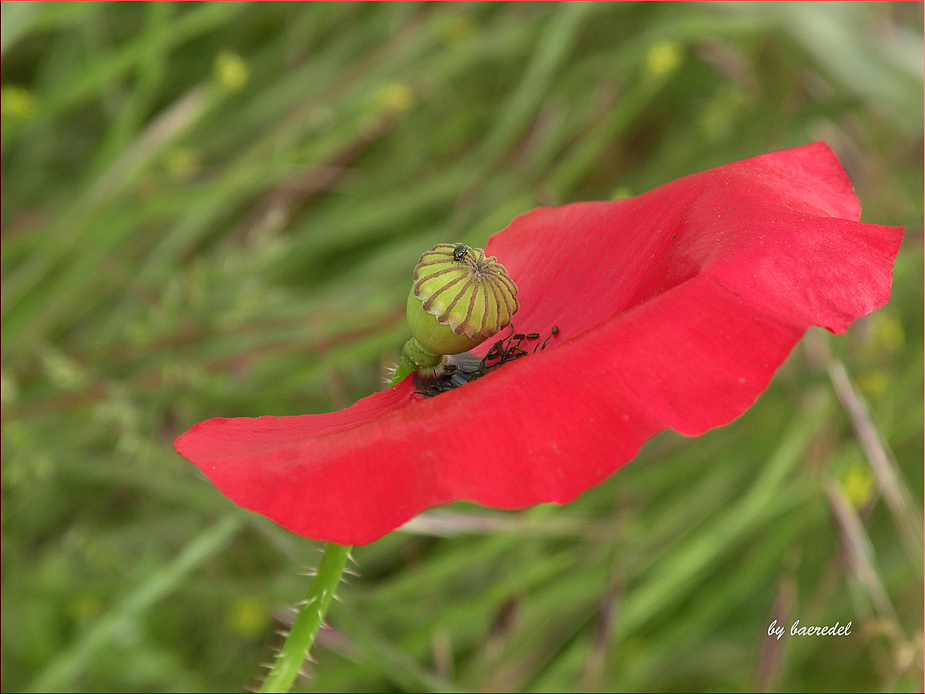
pixel 463 290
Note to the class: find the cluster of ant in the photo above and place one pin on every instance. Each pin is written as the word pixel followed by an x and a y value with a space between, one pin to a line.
pixel 467 367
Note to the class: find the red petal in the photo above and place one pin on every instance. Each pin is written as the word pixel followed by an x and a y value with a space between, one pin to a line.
pixel 675 308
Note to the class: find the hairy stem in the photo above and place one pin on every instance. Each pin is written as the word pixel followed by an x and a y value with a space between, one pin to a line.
pixel 401 371
pixel 308 620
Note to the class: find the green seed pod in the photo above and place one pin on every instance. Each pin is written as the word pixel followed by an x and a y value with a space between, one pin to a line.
pixel 459 299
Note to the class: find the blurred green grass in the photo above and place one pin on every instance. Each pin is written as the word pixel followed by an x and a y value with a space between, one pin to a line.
pixel 213 209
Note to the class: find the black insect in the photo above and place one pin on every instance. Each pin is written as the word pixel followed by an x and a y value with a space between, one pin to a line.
pixel 460 251
pixel 467 367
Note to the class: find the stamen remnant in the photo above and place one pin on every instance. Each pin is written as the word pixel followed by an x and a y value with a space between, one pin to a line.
pixel 460 369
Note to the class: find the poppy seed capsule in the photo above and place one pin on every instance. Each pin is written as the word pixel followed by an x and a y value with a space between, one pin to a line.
pixel 459 299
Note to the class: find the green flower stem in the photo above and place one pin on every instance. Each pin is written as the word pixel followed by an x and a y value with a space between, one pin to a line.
pixel 401 371
pixel 308 620
pixel 414 357
pixel 312 610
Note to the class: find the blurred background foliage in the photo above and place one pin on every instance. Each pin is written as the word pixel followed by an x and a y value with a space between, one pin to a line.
pixel 213 209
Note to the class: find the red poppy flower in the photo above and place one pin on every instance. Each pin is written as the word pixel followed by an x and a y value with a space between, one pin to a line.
pixel 674 310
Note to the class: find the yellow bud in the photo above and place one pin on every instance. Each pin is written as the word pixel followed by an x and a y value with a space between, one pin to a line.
pixel 231 71
pixel 17 104
pixel 664 58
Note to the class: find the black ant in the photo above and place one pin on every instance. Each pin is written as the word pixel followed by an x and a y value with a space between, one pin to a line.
pixel 466 367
